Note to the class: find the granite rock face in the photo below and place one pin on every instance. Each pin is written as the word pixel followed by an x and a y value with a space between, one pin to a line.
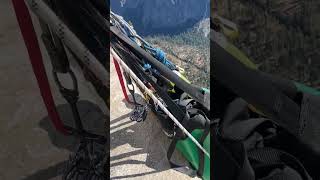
pixel 162 16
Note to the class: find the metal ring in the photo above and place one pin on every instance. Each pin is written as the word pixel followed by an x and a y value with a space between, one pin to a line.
pixel 73 77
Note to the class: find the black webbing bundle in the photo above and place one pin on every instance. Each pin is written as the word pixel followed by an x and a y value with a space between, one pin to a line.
pixel 256 89
pixel 247 146
pixel 89 22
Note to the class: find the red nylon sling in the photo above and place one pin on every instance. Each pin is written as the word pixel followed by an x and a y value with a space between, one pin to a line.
pixel 35 57
pixel 117 66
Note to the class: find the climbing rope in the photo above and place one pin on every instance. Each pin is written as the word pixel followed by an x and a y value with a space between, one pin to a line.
pixel 127 29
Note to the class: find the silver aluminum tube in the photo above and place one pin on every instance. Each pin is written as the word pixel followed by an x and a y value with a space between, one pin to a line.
pixel 155 99
pixel 45 13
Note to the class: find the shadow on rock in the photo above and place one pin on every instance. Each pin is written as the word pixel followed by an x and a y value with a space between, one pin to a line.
pixel 48 173
pixel 138 98
pixel 145 136
pixel 93 119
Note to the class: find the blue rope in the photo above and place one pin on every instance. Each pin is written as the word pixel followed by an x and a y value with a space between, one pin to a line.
pixel 156 52
pixel 161 56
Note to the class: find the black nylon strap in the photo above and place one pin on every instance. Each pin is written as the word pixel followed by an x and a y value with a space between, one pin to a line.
pixel 285 173
pixel 230 159
pixel 255 89
pixel 269 156
pixel 132 91
pixel 176 138
pixel 170 152
pixel 84 21
pixel 201 154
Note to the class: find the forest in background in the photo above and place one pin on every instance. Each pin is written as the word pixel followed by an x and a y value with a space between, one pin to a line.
pixel 189 50
pixel 281 36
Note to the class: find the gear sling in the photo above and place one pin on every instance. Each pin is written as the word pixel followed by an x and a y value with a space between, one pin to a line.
pixel 189 145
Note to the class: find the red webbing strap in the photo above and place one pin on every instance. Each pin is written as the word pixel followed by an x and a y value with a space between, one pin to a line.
pixel 31 42
pixel 117 66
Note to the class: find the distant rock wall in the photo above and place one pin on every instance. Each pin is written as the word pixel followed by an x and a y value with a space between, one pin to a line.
pixel 151 17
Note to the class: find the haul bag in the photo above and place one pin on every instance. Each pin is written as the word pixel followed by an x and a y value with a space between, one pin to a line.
pixel 191 152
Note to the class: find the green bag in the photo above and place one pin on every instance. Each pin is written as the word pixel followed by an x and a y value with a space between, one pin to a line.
pixel 191 152
pixel 198 125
